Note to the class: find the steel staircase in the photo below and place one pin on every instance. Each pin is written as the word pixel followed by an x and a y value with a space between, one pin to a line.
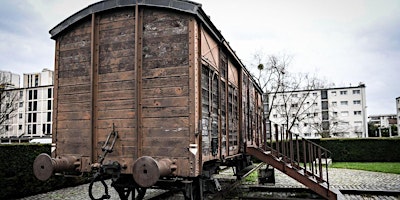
pixel 300 159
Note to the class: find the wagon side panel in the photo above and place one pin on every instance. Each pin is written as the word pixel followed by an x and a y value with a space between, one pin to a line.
pixel 115 82
pixel 72 114
pixel 165 87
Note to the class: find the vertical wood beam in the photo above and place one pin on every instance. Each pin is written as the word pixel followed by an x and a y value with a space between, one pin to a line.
pixel 55 97
pixel 94 48
pixel 138 70
pixel 193 98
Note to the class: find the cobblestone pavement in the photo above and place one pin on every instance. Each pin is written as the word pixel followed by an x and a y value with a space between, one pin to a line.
pixel 339 178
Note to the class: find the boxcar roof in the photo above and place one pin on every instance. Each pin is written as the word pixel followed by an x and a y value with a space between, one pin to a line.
pixel 179 5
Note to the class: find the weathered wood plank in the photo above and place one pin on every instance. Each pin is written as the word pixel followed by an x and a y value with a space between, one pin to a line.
pixel 73 89
pixel 116 114
pixel 82 115
pixel 165 142
pixel 165 112
pixel 165 151
pixel 121 34
pixel 74 98
pixel 74 81
pixel 159 62
pixel 122 123
pixel 68 43
pixel 116 105
pixel 158 47
pixel 106 49
pixel 116 95
pixel 73 124
pixel 120 76
pixel 165 72
pixel 75 66
pixel 166 132
pixel 116 85
pixel 72 133
pixel 177 122
pixel 166 102
pixel 166 82
pixel 74 73
pixel 166 92
pixel 122 14
pixel 73 107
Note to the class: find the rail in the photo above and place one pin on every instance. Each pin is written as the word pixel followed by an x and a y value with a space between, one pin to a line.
pixel 301 154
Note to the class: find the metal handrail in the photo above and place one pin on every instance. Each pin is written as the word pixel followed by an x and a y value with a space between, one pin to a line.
pixel 306 157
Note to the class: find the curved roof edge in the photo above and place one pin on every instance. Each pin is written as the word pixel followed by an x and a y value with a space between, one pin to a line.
pixel 180 5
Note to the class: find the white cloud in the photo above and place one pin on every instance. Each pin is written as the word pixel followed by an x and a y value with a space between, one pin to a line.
pixel 344 41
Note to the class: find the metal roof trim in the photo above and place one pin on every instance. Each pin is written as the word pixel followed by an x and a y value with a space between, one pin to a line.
pixel 180 5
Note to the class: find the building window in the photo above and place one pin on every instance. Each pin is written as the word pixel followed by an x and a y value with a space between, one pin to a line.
pixel 48 104
pixel 35 94
pixel 294 95
pixel 21 104
pixel 324 94
pixel 49 116
pixel 345 113
pixel 20 115
pixel 34 117
pixel 295 105
pixel 48 128
pixel 343 92
pixel 275 116
pixel 356 92
pixel 19 127
pixel 29 117
pixel 30 94
pixel 325 125
pixel 333 93
pixel 325 115
pixel 35 106
pixel 334 103
pixel 356 102
pixel 335 114
pixel 21 94
pixel 36 80
pixel 325 105
pixel 49 93
pixel 314 94
pixel 357 112
pixel 343 103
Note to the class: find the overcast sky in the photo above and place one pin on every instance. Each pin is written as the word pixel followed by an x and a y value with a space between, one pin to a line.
pixel 343 41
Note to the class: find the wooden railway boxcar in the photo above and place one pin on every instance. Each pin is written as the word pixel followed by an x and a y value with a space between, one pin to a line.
pixel 160 75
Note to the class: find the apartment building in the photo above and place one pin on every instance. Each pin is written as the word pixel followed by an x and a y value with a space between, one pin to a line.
pixel 383 124
pixel 398 113
pixel 32 116
pixel 328 112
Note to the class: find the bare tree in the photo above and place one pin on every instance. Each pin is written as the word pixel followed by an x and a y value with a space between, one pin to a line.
pixel 290 96
pixel 8 103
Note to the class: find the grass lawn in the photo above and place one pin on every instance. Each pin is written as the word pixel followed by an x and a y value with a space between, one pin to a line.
pixel 387 167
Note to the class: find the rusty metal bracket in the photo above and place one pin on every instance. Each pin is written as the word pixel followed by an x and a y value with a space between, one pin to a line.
pixel 108 148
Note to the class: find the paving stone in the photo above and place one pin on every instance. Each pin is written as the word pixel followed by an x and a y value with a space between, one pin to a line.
pixel 339 178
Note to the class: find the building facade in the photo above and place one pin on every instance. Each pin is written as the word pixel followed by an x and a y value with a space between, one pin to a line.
pixel 328 112
pixel 383 125
pixel 398 113
pixel 32 117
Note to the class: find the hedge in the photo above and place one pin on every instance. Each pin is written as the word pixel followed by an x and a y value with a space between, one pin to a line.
pixel 363 150
pixel 16 173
